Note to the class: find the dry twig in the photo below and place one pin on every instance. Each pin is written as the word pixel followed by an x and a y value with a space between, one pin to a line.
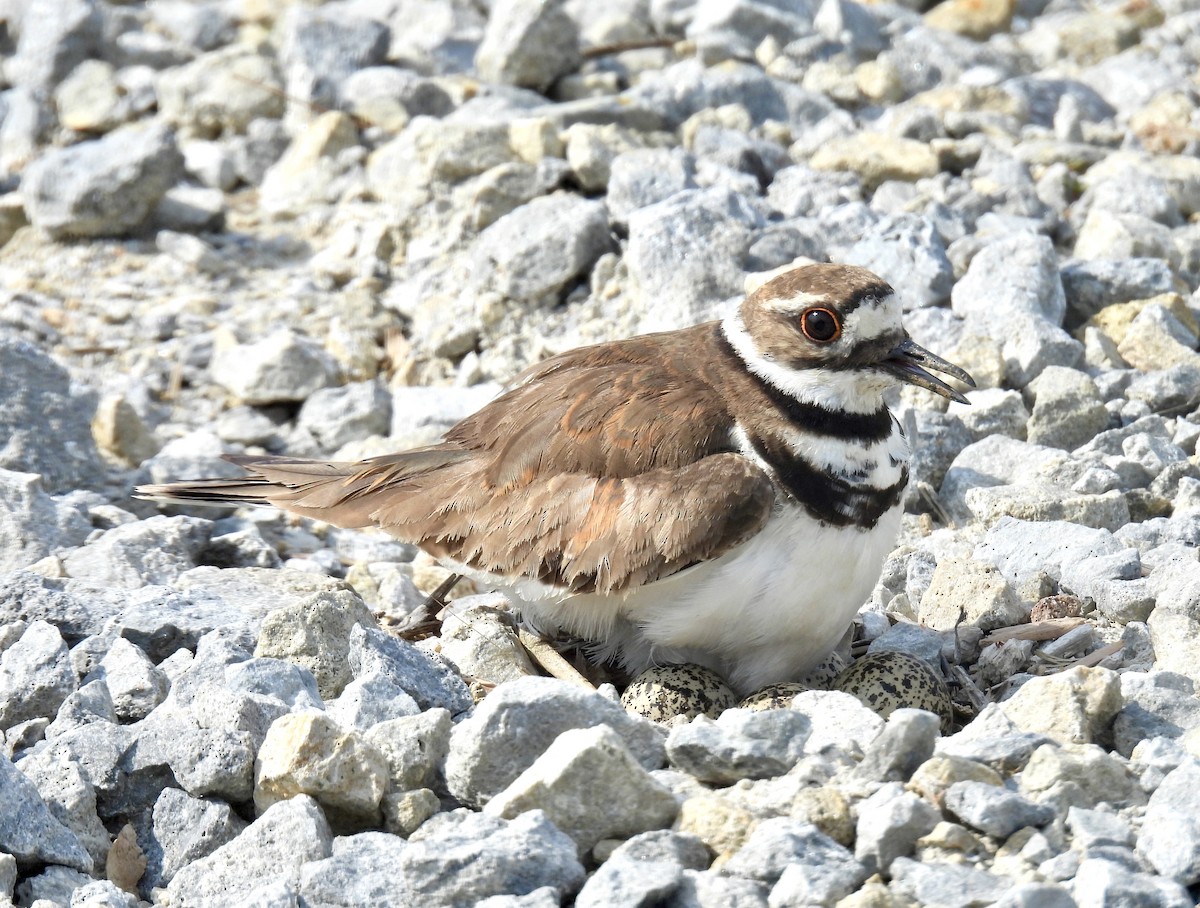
pixel 1098 656
pixel 1050 629
pixel 550 659
pixel 426 620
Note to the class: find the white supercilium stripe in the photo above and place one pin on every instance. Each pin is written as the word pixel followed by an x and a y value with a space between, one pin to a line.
pixel 795 304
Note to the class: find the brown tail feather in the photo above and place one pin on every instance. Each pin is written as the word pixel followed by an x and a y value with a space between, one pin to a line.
pixel 215 492
pixel 332 492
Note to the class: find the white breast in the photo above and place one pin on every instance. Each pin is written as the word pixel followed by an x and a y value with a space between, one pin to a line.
pixel 769 610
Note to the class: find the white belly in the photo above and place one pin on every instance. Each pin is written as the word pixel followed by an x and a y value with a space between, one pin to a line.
pixel 769 610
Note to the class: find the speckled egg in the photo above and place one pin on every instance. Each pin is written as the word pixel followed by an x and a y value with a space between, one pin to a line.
pixel 670 692
pixel 887 681
pixel 774 696
pixel 821 677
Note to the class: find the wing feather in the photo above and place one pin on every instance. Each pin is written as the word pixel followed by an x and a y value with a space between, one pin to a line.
pixel 603 469
pixel 584 534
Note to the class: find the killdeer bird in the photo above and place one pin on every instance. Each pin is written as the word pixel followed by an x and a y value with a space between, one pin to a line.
pixel 723 494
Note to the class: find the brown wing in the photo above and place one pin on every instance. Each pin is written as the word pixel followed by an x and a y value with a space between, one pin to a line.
pixel 583 533
pixel 613 410
pixel 603 469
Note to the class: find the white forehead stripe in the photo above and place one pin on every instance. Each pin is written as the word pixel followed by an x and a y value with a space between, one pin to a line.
pixel 794 304
pixel 871 321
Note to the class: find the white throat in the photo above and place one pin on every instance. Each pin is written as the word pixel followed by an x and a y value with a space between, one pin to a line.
pixel 848 390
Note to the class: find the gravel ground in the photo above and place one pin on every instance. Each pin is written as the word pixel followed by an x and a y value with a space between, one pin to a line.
pixel 334 229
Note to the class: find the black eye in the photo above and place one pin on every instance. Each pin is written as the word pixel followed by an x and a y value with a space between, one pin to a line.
pixel 820 325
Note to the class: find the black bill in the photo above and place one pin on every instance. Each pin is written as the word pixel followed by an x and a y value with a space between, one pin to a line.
pixel 908 361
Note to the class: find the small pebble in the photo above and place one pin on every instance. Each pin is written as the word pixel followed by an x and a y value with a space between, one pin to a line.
pixel 1050 607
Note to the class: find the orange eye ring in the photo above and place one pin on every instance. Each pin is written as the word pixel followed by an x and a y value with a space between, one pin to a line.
pixel 820 325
